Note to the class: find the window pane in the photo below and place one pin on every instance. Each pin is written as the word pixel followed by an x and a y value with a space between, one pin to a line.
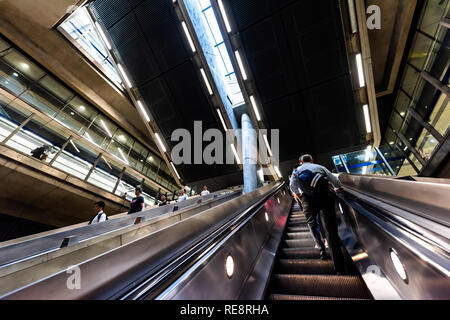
pixel 440 117
pixel 402 102
pixel 396 121
pixel 432 14
pixel 420 51
pixel 25 66
pixel 56 88
pixel 410 80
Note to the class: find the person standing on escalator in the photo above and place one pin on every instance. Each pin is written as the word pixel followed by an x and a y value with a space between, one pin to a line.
pixel 310 183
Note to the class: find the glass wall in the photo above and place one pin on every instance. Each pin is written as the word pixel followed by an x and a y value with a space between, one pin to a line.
pixel 419 102
pixel 60 114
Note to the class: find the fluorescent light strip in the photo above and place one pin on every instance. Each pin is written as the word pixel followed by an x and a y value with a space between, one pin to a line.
pixel 174 169
pixel 235 153
pixel 367 118
pixel 222 120
pixel 277 171
pixel 267 144
pixel 224 15
pixel 123 156
pixel 206 81
pixel 160 142
pixel 241 65
pixel 255 108
pixel 188 36
pixel 359 65
pixel 147 118
pixel 124 75
pixel 106 128
pixel 102 34
pixel 74 146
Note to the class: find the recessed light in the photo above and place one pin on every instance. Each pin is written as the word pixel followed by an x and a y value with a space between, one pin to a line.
pixel 229 266
pixel 15 74
pixel 82 108
pixel 25 66
pixel 71 113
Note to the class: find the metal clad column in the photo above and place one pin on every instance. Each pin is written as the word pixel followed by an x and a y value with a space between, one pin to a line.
pixel 249 153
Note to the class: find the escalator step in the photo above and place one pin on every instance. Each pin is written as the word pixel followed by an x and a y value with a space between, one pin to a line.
pixel 297 224
pixel 298 243
pixel 297 219
pixel 294 297
pixel 320 285
pixel 306 266
pixel 297 229
pixel 299 253
pixel 298 235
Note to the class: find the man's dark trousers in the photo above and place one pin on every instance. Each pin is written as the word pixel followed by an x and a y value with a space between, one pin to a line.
pixel 312 206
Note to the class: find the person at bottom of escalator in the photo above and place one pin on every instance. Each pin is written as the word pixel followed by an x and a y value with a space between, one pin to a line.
pixel 182 196
pixel 311 181
pixel 138 203
pixel 100 216
pixel 163 201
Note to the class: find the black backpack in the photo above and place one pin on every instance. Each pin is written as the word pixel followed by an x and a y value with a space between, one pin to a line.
pixel 313 185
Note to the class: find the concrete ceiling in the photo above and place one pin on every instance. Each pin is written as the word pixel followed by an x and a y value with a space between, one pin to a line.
pixel 30 25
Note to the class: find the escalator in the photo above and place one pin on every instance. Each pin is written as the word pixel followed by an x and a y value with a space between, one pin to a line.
pixel 257 246
pixel 300 274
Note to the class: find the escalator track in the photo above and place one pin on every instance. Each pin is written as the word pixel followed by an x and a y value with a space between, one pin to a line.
pixel 300 274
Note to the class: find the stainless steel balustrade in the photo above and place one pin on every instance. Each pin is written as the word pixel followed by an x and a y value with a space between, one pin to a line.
pixel 120 269
pixel 19 251
pixel 384 218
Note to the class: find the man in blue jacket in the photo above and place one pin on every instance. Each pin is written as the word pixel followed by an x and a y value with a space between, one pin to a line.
pixel 309 182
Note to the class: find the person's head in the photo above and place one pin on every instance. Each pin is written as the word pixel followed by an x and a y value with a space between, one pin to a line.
pixel 205 188
pixel 138 191
pixel 306 158
pixel 98 206
pixel 163 198
pixel 182 191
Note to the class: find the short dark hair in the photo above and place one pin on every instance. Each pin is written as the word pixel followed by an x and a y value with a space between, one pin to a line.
pixel 139 189
pixel 306 158
pixel 101 204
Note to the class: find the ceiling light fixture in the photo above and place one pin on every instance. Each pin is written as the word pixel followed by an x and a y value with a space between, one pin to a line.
pixel 103 36
pixel 174 169
pixel 267 144
pixel 235 153
pixel 160 142
pixel 147 118
pixel 360 70
pixel 188 36
pixel 124 75
pixel 255 108
pixel 367 118
pixel 224 15
pixel 241 65
pixel 222 120
pixel 202 71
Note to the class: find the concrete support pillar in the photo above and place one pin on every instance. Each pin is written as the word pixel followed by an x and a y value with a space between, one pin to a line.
pixel 249 153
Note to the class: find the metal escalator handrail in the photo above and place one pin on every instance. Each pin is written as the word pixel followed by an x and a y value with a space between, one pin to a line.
pixel 429 247
pixel 31 248
pixel 418 197
pixel 112 274
pixel 183 266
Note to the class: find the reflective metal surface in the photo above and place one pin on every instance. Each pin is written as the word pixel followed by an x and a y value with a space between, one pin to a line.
pixel 28 249
pixel 253 247
pixel 378 219
pixel 118 271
